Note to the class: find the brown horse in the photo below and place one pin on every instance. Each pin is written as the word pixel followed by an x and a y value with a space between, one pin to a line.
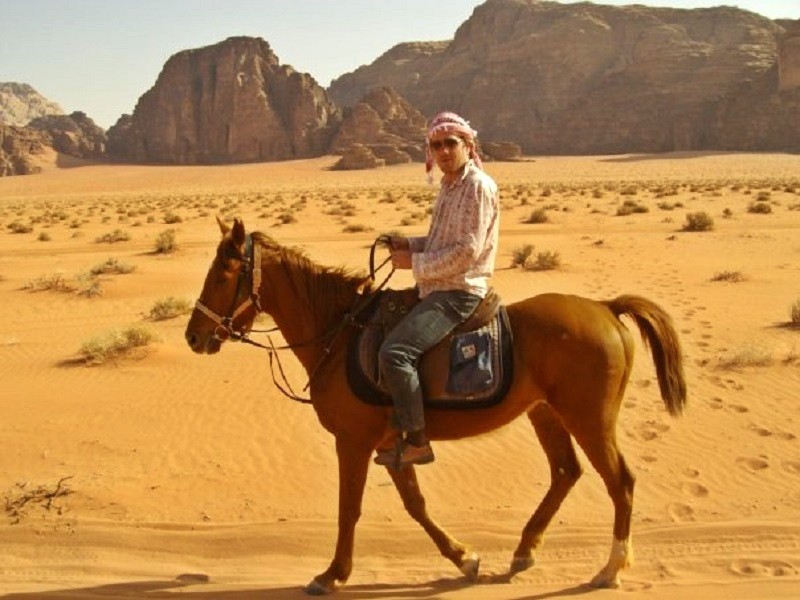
pixel 572 360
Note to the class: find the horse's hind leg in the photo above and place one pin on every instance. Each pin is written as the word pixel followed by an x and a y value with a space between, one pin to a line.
pixel 599 443
pixel 405 480
pixel 564 472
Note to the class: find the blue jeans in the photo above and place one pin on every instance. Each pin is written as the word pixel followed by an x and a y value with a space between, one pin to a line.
pixel 423 327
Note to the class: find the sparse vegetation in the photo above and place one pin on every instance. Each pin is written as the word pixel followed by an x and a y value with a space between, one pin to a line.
pixel 759 208
pixel 745 357
pixel 112 266
pixel 115 344
pixel 728 277
pixel 794 313
pixel 166 242
pixel 169 308
pixel 118 235
pixel 543 261
pixel 698 221
pixel 521 255
pixel 630 207
pixel 538 216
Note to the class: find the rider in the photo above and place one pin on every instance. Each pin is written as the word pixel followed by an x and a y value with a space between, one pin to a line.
pixel 451 266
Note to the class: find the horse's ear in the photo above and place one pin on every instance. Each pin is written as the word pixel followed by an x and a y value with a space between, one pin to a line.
pixel 238 233
pixel 223 227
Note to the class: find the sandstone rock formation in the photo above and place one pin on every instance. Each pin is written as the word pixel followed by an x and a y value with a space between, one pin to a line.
pixel 20 103
pixel 230 102
pixel 501 150
pixel 76 134
pixel 387 124
pixel 358 156
pixel 789 58
pixel 591 79
pixel 18 147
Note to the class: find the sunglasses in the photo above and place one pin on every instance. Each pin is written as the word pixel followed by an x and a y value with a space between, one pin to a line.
pixel 448 143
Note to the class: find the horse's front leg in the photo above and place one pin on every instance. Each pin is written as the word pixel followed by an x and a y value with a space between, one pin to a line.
pixel 353 466
pixel 405 480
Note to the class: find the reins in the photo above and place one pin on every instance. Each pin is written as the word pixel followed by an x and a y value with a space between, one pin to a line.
pixel 252 271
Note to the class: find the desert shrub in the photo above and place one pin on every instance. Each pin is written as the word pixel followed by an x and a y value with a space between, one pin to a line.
pixel 630 207
pixel 543 261
pixel 727 213
pixel 356 228
pixel 171 218
pixel 112 266
pixel 44 237
pixel 286 217
pixel 115 344
pixel 17 227
pixel 168 308
pixel 538 216
pixel 794 313
pixel 521 255
pixel 86 284
pixel 761 208
pixel 763 196
pixel 728 277
pixel 166 242
pixel 55 282
pixel 698 221
pixel 744 357
pixel 118 235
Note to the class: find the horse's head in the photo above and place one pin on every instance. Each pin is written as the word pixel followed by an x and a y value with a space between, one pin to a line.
pixel 225 308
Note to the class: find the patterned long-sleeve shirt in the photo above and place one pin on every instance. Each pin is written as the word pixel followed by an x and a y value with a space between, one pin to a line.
pixel 459 251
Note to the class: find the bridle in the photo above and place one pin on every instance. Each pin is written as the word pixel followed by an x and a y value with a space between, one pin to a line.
pixel 251 270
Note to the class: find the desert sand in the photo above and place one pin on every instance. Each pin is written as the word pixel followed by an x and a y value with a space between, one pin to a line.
pixel 162 473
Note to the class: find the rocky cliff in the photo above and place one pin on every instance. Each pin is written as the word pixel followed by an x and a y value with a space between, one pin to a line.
pixel 74 134
pixel 18 147
pixel 587 78
pixel 20 103
pixel 230 102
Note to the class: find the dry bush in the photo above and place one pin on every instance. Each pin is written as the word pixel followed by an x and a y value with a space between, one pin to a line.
pixel 698 221
pixel 744 357
pixel 112 266
pixel 118 235
pixel 521 255
pixel 794 313
pixel 356 228
pixel 630 207
pixel 44 237
pixel 115 344
pixel 728 277
pixel 17 227
pixel 537 216
pixel 55 282
pixel 759 208
pixel 169 308
pixel 166 242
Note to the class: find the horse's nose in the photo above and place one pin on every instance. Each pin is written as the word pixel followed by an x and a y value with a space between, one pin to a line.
pixel 191 339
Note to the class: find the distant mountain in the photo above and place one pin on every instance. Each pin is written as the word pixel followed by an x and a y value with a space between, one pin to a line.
pixel 592 79
pixel 230 102
pixel 20 103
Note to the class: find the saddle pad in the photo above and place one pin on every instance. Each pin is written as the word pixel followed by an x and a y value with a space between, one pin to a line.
pixel 441 388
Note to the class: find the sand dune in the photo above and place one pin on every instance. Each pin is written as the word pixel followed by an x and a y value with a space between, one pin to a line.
pixel 192 474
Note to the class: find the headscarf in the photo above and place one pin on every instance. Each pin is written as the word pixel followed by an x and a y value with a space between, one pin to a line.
pixel 449 122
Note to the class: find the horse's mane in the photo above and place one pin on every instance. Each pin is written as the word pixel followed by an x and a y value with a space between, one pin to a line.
pixel 326 290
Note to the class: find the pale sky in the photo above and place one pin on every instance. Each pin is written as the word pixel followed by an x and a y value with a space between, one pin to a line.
pixel 100 56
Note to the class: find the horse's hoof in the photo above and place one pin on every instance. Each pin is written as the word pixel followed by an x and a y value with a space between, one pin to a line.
pixel 604 580
pixel 521 563
pixel 315 588
pixel 470 565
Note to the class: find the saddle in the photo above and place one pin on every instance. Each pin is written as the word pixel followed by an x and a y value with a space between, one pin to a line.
pixel 470 368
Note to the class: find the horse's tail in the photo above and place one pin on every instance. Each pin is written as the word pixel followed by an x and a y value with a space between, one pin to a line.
pixel 659 333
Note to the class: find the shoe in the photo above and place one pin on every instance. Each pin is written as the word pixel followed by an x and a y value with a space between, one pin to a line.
pixel 404 454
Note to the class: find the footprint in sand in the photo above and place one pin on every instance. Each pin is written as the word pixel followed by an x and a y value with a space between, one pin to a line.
pixel 716 403
pixel 649 459
pixel 680 513
pixel 691 473
pixel 752 464
pixel 649 430
pixel 761 431
pixel 761 568
pixel 791 466
pixel 692 488
pixel 786 436
pixel 739 408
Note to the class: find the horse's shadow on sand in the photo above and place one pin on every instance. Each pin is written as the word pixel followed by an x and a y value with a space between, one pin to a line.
pixel 191 587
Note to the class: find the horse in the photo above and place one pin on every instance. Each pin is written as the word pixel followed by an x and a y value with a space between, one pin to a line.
pixel 572 360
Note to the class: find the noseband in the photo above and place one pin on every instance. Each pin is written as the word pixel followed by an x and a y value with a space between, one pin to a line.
pixel 251 271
